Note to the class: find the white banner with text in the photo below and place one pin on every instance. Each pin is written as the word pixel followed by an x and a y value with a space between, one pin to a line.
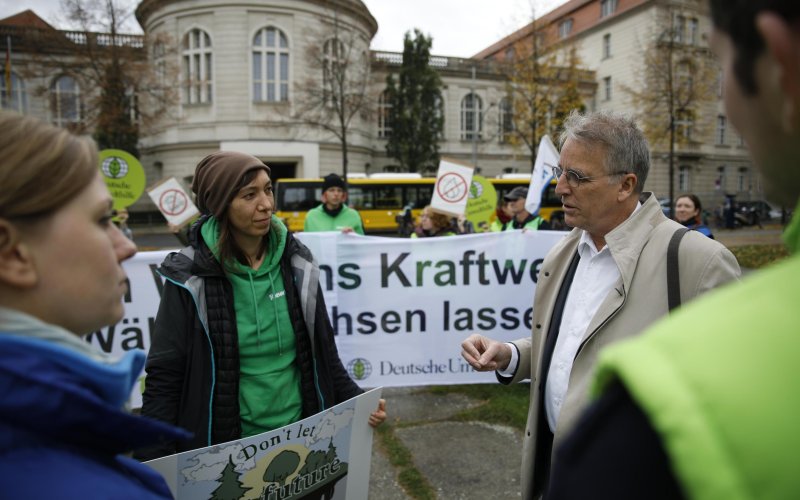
pixel 399 307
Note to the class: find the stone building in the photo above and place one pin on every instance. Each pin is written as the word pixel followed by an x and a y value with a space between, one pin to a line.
pixel 242 72
pixel 611 37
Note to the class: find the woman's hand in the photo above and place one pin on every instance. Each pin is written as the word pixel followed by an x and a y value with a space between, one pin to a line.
pixel 378 416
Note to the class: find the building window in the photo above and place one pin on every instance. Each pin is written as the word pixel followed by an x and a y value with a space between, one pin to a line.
pixel 565 28
pixel 160 65
pixel 270 65
pixel 683 179
pixel 693 30
pixel 510 54
pixel 65 104
pixel 607 7
pixel 606 45
pixel 335 58
pixel 506 121
pixel 685 30
pixel 742 180
pixel 722 124
pixel 607 88
pixel 14 97
pixel 384 115
pixel 471 117
pixel 684 124
pixel 197 67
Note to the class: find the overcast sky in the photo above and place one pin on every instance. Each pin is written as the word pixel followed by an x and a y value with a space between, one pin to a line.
pixel 459 27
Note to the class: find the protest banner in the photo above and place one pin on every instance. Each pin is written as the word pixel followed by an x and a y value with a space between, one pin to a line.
pixel 399 307
pixel 172 201
pixel 450 193
pixel 326 455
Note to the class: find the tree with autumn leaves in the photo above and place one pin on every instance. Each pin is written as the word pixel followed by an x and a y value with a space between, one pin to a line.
pixel 544 80
pixel 675 85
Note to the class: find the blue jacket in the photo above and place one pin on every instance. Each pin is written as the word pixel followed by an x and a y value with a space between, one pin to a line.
pixel 62 428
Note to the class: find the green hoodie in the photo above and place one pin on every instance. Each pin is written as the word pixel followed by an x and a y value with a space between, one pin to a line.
pixel 269 381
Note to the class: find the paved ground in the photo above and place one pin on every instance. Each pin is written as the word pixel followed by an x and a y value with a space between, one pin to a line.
pixel 460 460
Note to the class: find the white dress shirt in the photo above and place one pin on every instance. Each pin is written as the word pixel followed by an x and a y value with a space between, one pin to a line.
pixel 595 276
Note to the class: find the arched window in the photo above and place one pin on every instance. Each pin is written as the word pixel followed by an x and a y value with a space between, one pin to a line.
pixel 471 117
pixel 333 52
pixel 65 101
pixel 270 65
pixel 15 97
pixel 384 115
pixel 160 63
pixel 506 121
pixel 197 67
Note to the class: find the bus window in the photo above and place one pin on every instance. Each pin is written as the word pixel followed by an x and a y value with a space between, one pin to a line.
pixel 418 196
pixel 359 197
pixel 388 197
pixel 299 198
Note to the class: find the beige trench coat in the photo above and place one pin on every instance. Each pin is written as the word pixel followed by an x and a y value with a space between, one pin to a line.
pixel 639 247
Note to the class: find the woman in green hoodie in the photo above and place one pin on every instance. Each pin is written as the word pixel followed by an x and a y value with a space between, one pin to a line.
pixel 242 342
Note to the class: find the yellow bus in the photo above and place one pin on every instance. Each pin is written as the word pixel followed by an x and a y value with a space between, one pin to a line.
pixel 380 199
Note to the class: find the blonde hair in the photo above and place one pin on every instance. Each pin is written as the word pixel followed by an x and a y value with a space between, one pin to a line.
pixel 439 220
pixel 42 167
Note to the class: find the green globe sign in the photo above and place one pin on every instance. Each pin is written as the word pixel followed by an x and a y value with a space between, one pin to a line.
pixel 124 176
pixel 481 203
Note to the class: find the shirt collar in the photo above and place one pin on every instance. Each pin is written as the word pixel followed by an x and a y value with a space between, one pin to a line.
pixel 587 244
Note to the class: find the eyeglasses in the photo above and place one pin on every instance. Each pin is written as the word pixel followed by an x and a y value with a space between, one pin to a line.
pixel 574 179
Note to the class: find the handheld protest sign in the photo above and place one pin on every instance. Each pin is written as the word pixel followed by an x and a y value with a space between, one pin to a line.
pixel 451 191
pixel 481 203
pixel 546 159
pixel 123 175
pixel 173 201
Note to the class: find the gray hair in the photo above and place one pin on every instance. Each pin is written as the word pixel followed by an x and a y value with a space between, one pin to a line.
pixel 625 144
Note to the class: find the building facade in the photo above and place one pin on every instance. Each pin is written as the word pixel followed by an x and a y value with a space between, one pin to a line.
pixel 612 38
pixel 244 75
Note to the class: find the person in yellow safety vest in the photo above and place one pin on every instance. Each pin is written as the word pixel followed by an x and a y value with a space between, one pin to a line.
pixel 522 219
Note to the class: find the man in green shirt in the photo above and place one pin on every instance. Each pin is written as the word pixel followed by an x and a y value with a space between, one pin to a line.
pixel 332 214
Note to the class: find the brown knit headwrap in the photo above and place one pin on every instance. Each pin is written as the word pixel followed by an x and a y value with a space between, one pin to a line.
pixel 217 176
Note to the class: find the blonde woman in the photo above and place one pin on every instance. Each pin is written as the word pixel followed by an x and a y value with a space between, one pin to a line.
pixel 63 430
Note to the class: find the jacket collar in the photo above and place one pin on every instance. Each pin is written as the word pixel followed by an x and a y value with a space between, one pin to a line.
pixel 627 240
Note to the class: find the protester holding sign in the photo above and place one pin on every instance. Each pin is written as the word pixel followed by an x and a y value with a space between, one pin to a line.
pixel 433 224
pixel 242 341
pixel 332 214
pixel 63 431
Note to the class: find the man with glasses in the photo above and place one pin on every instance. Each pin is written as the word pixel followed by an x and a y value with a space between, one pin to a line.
pixel 703 405
pixel 604 282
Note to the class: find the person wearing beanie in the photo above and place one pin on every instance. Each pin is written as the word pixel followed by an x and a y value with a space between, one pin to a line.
pixel 242 343
pixel 332 214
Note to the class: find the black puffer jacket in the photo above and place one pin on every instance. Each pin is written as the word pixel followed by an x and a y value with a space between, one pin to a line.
pixel 193 365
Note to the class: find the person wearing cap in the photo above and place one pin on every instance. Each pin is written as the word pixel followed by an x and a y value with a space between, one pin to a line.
pixel 603 282
pixel 332 214
pixel 242 342
pixel 521 218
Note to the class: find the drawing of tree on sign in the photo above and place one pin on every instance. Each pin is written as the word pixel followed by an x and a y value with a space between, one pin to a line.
pixel 230 488
pixel 281 467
